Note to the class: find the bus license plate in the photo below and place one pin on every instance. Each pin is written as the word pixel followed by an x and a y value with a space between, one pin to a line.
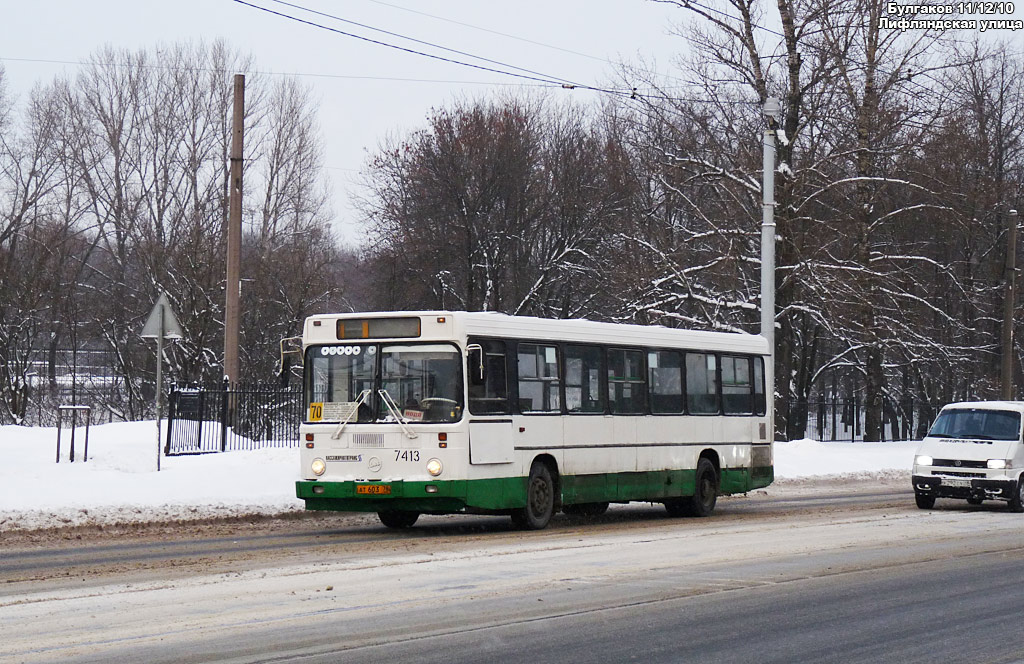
pixel 963 484
pixel 373 489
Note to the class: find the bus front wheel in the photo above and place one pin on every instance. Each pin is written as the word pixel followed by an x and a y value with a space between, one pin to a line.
pixel 398 519
pixel 540 499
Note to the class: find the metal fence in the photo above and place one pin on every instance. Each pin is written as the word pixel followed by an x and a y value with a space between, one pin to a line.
pixel 226 417
pixel 843 419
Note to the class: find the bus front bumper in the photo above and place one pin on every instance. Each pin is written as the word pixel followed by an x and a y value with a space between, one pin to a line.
pixel 428 497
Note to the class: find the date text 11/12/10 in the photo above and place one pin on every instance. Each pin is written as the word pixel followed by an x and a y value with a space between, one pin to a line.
pixel 958 8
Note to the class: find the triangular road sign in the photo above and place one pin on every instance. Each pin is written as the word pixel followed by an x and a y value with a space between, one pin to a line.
pixel 171 328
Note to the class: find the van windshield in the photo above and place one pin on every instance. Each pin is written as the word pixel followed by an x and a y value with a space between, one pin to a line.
pixel 977 423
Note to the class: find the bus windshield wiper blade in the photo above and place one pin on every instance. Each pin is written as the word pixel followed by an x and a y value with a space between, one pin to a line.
pixel 396 413
pixel 348 418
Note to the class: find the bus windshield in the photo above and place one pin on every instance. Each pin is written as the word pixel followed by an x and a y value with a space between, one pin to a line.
pixel 423 382
pixel 977 424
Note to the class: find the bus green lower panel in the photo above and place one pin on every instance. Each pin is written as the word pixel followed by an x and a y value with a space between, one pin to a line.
pixel 443 496
pixel 510 492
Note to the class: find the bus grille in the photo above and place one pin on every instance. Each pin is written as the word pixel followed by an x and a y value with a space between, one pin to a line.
pixel 368 440
pixel 951 473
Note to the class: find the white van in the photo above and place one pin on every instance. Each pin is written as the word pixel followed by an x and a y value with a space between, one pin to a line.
pixel 972 452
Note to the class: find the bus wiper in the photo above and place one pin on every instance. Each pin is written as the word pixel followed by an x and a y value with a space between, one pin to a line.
pixel 348 418
pixel 396 413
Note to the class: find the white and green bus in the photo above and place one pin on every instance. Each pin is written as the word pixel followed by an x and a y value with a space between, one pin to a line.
pixel 439 412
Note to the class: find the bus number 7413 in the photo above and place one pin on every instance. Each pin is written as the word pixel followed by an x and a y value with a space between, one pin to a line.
pixel 407 455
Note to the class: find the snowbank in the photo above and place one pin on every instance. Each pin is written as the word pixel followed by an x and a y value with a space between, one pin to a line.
pixel 120 484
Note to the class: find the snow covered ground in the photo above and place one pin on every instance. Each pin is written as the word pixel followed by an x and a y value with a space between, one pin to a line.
pixel 120 483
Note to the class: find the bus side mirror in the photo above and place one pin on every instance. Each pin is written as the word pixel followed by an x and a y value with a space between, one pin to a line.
pixel 289 346
pixel 475 364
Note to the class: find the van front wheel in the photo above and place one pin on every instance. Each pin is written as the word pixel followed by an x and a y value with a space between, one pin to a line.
pixel 924 500
pixel 1017 502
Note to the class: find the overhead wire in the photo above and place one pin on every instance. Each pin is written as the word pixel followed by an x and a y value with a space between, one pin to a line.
pixel 400 79
pixel 883 70
pixel 488 30
pixel 532 75
pixel 417 41
pixel 538 78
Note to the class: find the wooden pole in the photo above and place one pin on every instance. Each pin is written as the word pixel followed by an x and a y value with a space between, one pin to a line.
pixel 234 236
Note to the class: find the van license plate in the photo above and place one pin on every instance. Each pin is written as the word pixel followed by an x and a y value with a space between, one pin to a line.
pixel 963 484
pixel 373 489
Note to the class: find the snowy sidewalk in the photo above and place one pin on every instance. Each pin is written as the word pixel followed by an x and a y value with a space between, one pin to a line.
pixel 119 483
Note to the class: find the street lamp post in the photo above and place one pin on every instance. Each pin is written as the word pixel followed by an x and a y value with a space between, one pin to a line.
pixel 773 113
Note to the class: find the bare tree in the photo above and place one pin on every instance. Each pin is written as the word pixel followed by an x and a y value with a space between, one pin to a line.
pixel 499 206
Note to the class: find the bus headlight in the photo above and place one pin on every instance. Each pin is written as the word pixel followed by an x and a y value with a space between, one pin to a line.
pixel 434 467
pixel 318 467
pixel 998 464
pixel 923 460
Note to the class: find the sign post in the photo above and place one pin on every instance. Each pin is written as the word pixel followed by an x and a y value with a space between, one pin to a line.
pixel 161 324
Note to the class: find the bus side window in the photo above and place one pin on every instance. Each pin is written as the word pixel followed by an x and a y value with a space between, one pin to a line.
pixel 538 379
pixel 583 380
pixel 490 396
pixel 626 389
pixel 701 384
pixel 737 397
pixel 759 401
pixel 665 381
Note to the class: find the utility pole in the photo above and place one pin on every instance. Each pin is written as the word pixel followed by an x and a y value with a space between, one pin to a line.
pixel 1009 299
pixel 234 236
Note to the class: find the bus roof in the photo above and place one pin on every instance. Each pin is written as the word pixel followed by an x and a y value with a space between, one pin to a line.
pixel 493 324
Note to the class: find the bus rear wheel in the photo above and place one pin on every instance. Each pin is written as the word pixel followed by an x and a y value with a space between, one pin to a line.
pixel 540 499
pixel 398 519
pixel 705 491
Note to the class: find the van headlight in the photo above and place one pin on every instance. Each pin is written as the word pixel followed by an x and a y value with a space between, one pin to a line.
pixel 318 467
pixel 999 464
pixel 434 467
pixel 923 460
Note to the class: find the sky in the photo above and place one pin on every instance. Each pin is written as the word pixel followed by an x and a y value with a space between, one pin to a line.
pixel 119 482
pixel 366 92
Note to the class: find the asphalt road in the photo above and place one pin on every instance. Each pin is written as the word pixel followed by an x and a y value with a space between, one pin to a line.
pixel 789 575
